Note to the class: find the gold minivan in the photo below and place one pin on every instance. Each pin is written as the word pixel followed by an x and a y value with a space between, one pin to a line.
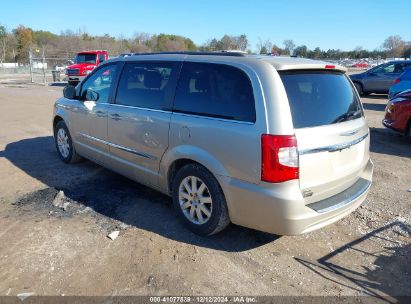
pixel 272 143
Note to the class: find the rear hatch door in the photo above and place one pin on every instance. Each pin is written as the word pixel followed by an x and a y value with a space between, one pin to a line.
pixel 331 131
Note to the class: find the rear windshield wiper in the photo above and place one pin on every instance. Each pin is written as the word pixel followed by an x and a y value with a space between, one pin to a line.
pixel 347 116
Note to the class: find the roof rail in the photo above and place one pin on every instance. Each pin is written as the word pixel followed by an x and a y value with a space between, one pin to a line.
pixel 219 53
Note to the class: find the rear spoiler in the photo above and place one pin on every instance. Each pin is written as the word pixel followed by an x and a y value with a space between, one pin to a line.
pixel 313 66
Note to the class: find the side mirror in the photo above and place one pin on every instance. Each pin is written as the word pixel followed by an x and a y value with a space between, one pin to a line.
pixel 91 95
pixel 69 92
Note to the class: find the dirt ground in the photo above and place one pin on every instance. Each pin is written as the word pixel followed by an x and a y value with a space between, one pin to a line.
pixel 46 250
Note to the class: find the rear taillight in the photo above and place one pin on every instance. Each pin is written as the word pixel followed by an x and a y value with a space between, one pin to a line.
pixel 329 66
pixel 397 81
pixel 279 162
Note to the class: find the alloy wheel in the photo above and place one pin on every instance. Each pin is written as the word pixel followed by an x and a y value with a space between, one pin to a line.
pixel 195 200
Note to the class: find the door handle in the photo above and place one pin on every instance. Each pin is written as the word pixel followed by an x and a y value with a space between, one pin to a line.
pixel 101 114
pixel 115 116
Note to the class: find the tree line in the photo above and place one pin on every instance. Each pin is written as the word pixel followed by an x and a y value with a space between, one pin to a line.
pixel 15 45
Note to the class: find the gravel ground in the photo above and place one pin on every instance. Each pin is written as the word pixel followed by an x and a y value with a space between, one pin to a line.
pixel 51 250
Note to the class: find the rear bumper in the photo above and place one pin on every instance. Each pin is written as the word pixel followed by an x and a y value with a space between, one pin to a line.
pixel 281 209
pixel 393 125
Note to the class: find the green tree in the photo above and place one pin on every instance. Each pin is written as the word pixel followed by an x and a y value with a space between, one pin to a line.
pixel 227 42
pixel 24 37
pixel 3 43
pixel 407 52
pixel 317 53
pixel 263 50
pixel 42 38
pixel 301 51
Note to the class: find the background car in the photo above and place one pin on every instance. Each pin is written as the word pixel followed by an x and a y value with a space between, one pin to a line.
pixel 401 84
pixel 360 65
pixel 398 113
pixel 380 78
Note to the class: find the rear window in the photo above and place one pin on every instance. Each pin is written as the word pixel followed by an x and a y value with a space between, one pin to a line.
pixel 319 98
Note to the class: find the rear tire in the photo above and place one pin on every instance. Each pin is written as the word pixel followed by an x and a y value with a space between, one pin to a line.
pixel 199 200
pixel 64 144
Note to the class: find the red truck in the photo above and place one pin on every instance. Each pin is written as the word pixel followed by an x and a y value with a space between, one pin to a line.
pixel 84 63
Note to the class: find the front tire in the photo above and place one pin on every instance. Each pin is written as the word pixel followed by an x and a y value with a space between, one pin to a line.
pixel 64 144
pixel 199 200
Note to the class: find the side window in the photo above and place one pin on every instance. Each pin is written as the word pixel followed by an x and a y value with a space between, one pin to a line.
pixel 97 86
pixel 389 68
pixel 377 69
pixel 400 67
pixel 147 85
pixel 101 58
pixel 386 68
pixel 215 90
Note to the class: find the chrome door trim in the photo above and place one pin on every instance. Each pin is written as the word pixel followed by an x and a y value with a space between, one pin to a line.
pixel 334 148
pixel 140 108
pixel 149 156
pixel 205 116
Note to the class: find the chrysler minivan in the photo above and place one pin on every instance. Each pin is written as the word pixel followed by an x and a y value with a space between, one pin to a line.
pixel 276 144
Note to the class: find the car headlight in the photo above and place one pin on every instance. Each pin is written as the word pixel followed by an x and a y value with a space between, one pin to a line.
pixel 86 72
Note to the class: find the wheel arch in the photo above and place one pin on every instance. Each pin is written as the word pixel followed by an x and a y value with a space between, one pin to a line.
pixel 178 157
pixel 56 120
pixel 61 114
pixel 356 81
pixel 408 130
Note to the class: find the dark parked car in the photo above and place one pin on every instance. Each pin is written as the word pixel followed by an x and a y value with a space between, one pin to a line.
pixel 401 84
pixel 380 78
pixel 398 113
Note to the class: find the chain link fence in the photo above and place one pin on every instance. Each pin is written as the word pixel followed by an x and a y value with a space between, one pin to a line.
pixel 48 68
pixel 43 67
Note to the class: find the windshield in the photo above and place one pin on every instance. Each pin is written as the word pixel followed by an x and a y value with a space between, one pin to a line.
pixel 86 58
pixel 319 98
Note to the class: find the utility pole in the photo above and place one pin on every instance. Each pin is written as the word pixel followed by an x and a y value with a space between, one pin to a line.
pixel 31 65
pixel 44 70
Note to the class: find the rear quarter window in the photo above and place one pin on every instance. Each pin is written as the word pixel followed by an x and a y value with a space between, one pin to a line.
pixel 319 98
pixel 215 90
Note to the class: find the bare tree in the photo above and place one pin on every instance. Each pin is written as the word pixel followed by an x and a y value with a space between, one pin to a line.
pixel 289 46
pixel 264 47
pixel 395 45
